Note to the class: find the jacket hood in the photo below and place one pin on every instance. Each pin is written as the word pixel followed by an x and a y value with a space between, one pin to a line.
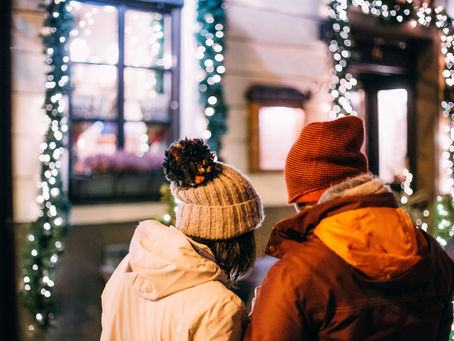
pixel 381 242
pixel 359 221
pixel 163 261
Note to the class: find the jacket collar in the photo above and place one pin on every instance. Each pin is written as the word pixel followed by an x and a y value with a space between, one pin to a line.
pixel 297 228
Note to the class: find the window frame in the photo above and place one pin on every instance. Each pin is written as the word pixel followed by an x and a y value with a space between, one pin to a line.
pixel 166 7
pixel 371 84
pixel 260 96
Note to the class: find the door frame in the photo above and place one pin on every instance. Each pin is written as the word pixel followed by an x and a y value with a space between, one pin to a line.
pixel 371 84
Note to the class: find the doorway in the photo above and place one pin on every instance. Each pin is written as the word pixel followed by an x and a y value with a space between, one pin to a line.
pixel 389 117
pixel 398 97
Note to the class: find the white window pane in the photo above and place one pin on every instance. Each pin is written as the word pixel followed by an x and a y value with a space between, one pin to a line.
pixel 92 143
pixel 147 38
pixel 147 95
pixel 146 139
pixel 95 91
pixel 95 36
pixel 392 133
pixel 279 127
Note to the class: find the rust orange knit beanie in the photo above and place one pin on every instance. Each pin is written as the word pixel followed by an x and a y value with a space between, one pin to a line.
pixel 325 153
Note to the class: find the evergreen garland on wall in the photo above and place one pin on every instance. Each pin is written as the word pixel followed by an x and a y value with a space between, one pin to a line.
pixel 210 52
pixel 43 244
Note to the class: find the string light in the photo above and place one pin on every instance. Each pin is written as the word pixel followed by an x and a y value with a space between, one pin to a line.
pixel 444 212
pixel 38 270
pixel 420 217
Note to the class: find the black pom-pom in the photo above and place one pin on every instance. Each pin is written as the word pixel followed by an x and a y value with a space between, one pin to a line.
pixel 190 163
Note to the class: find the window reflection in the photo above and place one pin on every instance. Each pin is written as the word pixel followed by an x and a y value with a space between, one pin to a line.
pixel 95 37
pixel 95 150
pixel 141 138
pixel 94 94
pixel 146 39
pixel 92 138
pixel 147 95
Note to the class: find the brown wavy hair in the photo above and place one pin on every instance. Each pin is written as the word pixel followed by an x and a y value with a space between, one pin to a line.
pixel 235 256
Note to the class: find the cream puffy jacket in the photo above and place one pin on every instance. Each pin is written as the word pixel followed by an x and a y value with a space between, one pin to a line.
pixel 169 288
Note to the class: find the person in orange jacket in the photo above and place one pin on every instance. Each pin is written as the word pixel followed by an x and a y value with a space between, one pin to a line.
pixel 352 265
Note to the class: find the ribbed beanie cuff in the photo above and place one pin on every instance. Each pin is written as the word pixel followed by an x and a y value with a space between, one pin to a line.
pixel 219 222
pixel 223 208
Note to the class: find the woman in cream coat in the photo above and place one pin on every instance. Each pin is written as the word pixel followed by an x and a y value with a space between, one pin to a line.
pixel 174 283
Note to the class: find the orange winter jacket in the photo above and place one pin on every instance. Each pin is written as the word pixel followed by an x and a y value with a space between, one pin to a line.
pixel 354 268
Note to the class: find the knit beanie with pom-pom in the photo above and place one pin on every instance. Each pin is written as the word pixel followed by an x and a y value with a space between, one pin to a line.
pixel 216 201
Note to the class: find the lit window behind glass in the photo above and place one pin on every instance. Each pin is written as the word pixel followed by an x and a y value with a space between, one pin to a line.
pixel 392 133
pixel 279 127
pixel 95 36
pixel 121 92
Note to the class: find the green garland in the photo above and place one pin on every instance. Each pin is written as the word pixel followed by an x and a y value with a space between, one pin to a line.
pixel 444 215
pixel 43 245
pixel 169 216
pixel 210 51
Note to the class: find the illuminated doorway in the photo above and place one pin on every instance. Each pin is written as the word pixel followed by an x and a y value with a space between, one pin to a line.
pixel 384 104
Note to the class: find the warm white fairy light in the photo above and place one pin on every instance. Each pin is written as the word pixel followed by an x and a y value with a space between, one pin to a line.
pixel 407 192
pixel 341 81
pixel 209 111
pixel 54 258
pixel 447 134
pixel 206 134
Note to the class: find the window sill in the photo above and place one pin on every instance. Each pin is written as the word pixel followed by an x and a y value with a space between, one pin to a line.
pixel 115 213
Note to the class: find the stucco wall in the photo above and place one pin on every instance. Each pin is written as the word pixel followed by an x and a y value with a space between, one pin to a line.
pixel 28 77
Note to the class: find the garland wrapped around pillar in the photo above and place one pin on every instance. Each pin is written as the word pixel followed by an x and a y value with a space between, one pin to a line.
pixel 210 52
pixel 43 245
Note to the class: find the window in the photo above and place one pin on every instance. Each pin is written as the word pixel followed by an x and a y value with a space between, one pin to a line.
pixel 124 101
pixel 388 68
pixel 276 117
pixel 382 101
pixel 392 133
pixel 279 127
